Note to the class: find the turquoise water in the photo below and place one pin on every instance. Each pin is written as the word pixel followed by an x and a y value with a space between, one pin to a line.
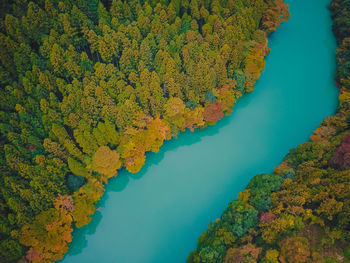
pixel 157 215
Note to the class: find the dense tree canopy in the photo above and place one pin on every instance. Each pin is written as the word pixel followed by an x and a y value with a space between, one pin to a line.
pixel 90 86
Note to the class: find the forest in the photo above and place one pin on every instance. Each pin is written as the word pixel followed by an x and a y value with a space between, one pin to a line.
pixel 88 87
pixel 300 213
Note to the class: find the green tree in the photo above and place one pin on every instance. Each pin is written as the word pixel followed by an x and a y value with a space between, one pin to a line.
pixel 74 182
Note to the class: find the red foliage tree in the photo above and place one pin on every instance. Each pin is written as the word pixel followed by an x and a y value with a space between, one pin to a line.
pixel 341 159
pixel 266 217
pixel 32 255
pixel 32 148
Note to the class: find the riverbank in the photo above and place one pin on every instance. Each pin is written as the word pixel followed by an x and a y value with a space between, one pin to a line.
pixel 300 213
pixel 90 87
pixel 162 210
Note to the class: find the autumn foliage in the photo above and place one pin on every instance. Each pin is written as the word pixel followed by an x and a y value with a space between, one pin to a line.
pixel 89 87
pixel 106 162
pixel 295 250
pixel 48 235
pixel 341 158
pixel 275 14
pixel 213 112
pixel 301 212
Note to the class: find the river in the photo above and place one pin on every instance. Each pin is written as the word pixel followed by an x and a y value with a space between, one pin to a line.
pixel 157 215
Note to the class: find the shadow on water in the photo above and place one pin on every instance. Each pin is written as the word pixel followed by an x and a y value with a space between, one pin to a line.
pixel 80 234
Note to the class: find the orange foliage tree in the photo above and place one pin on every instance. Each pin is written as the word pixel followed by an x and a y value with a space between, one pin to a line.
pixel 213 112
pixel 294 250
pixel 276 13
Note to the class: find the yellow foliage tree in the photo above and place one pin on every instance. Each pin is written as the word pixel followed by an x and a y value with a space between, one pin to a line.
pixel 48 235
pixel 84 201
pixel 106 161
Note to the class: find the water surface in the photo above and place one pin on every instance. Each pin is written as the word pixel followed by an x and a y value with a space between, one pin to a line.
pixel 157 215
